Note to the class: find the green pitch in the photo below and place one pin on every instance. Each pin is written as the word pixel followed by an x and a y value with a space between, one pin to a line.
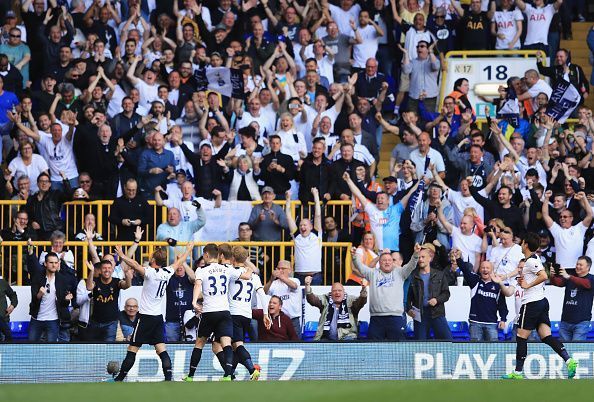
pixel 305 391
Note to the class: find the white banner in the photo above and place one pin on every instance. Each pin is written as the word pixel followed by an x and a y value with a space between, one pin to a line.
pixel 222 223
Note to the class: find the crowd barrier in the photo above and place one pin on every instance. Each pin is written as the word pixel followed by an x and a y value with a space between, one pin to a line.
pixel 73 214
pixel 28 363
pixel 265 255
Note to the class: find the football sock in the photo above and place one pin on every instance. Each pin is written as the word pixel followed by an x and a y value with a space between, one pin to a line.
pixel 194 360
pixel 228 354
pixel 166 364
pixel 221 358
pixel 244 358
pixel 557 346
pixel 235 360
pixel 126 366
pixel 521 352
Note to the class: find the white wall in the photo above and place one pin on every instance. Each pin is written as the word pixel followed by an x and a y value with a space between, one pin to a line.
pixel 457 307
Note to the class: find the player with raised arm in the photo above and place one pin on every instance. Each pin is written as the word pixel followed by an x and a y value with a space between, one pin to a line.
pixel 241 294
pixel 150 324
pixel 534 313
pixel 212 286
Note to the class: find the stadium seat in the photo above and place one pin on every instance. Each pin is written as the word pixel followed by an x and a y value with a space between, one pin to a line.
pixel 309 330
pixel 555 328
pixel 410 330
pixel 19 329
pixel 590 335
pixel 459 330
pixel 363 329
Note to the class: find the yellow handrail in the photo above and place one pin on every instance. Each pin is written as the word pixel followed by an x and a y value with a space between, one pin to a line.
pixel 335 256
pixel 75 211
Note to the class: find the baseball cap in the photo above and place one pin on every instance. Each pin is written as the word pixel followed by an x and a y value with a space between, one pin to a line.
pixel 267 189
pixel 205 142
pixel 10 14
pixel 180 171
pixel 391 179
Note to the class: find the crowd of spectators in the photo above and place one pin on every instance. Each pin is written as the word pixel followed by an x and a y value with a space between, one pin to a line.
pixel 183 102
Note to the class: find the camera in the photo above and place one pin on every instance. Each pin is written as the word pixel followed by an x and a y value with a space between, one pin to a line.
pixel 489 229
pixel 196 204
pixel 172 242
pixel 556 267
pixel 163 195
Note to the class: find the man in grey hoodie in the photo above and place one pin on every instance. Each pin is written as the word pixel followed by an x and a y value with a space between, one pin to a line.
pixel 386 294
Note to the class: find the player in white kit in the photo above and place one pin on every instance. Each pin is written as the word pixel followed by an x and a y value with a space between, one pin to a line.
pixel 150 326
pixel 212 285
pixel 534 313
pixel 241 294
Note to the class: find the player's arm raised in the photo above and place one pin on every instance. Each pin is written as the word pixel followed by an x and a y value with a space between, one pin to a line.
pixel 129 261
pixel 181 259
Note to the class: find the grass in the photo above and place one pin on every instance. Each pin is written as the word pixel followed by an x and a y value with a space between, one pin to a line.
pixel 310 391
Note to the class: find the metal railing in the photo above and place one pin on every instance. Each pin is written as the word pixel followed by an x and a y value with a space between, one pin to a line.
pixel 73 214
pixel 265 255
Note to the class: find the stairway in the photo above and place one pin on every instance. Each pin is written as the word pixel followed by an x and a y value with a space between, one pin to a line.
pixel 580 53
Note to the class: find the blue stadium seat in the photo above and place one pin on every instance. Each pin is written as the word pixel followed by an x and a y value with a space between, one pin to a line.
pixel 590 335
pixel 555 328
pixel 309 330
pixel 410 330
pixel 363 329
pixel 19 329
pixel 459 330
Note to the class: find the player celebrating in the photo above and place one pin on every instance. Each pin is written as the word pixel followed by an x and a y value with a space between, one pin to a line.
pixel 149 326
pixel 534 313
pixel 241 293
pixel 212 285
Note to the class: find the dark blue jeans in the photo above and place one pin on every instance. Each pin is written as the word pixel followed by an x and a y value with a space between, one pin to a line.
pixel 390 327
pixel 316 279
pixel 37 328
pixel 439 325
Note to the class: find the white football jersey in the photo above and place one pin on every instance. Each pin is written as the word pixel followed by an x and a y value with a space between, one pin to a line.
pixel 530 272
pixel 241 294
pixel 216 280
pixel 153 290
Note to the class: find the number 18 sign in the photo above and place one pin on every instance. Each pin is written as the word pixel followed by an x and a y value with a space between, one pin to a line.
pixel 484 74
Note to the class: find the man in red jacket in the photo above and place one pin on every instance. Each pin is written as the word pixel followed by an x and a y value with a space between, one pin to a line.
pixel 282 327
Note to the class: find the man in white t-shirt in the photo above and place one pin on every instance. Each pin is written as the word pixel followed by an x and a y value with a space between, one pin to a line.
pixel 539 19
pixel 344 14
pixel 505 256
pixel 535 85
pixel 56 148
pixel 147 86
pixel 463 238
pixel 568 237
pixel 460 200
pixel 308 241
pixel 284 286
pixel 366 39
pixel 420 155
